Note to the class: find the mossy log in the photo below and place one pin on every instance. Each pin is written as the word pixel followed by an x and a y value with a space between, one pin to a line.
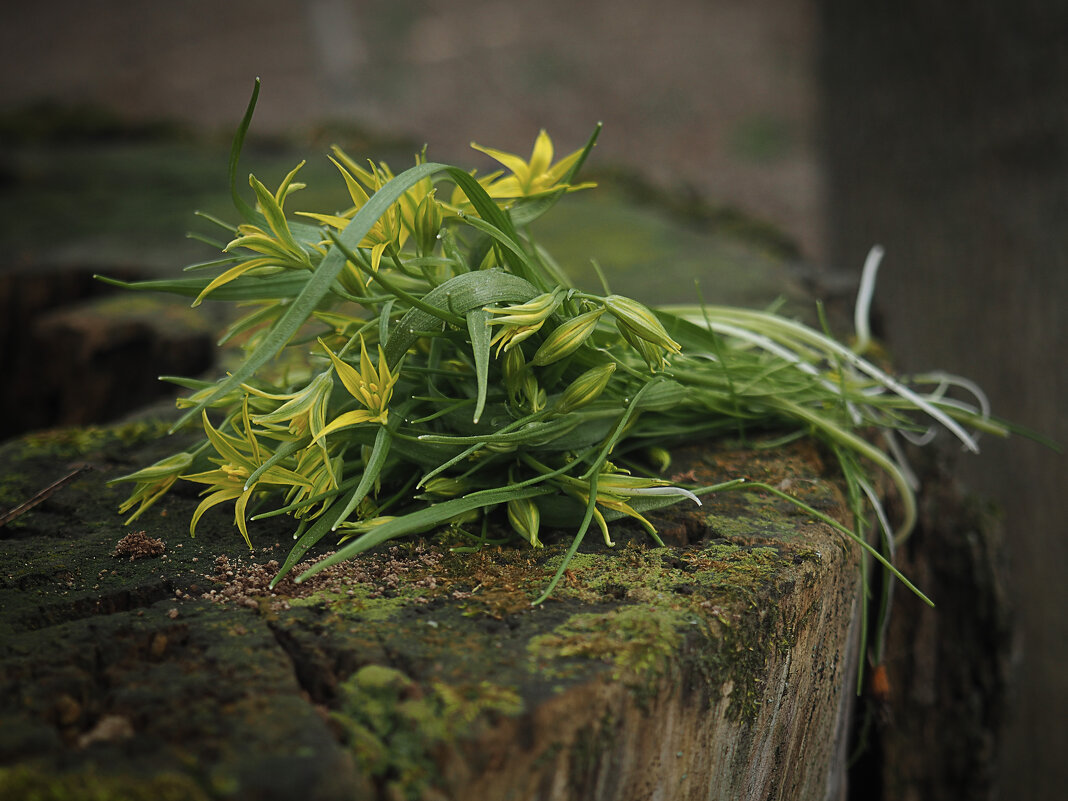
pixel 721 666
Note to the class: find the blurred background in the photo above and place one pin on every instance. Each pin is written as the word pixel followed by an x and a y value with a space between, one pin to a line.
pixel 815 127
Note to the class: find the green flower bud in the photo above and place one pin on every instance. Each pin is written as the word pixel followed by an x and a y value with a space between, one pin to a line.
pixel 513 371
pixel 513 365
pixel 534 312
pixel 525 518
pixel 567 338
pixel 535 395
pixel 660 457
pixel 652 354
pixel 586 388
pixel 632 316
pixel 427 224
pixel 446 487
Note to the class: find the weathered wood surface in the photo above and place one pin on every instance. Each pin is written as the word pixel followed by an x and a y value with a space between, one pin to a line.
pixel 719 667
pixel 72 352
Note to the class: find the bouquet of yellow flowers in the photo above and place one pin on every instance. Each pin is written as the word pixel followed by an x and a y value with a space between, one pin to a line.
pixel 417 360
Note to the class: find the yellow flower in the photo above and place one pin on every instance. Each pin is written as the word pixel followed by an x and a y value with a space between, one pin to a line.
pixel 371 386
pixel 322 473
pixel 535 177
pixel 387 230
pixel 277 246
pixel 302 412
pixel 152 483
pixel 523 320
pixel 416 213
pixel 239 457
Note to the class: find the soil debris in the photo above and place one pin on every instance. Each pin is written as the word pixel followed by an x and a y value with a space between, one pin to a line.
pixel 138 544
pixel 373 575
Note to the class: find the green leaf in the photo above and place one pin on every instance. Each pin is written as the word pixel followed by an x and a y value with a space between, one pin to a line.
pixel 322 526
pixel 518 259
pixel 371 472
pixel 591 505
pixel 274 287
pixel 243 208
pixel 479 331
pixel 286 449
pixel 457 296
pixel 423 520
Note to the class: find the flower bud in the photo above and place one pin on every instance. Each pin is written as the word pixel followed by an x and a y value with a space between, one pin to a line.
pixel 652 354
pixel 637 319
pixel 535 395
pixel 567 338
pixel 427 224
pixel 534 312
pixel 525 518
pixel 660 457
pixel 513 368
pixel 586 388
pixel 446 487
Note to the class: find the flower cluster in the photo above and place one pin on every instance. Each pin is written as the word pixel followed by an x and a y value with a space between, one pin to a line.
pixel 455 375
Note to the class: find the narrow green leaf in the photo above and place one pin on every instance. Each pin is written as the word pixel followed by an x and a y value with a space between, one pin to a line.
pixel 322 526
pixel 243 207
pixel 371 472
pixel 423 520
pixel 479 331
pixel 591 505
pixel 520 262
pixel 275 287
pixel 383 320
pixel 287 448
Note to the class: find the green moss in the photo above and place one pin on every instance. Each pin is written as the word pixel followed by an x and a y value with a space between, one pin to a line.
pixel 395 726
pixel 357 602
pixel 639 641
pixel 31 784
pixel 718 597
pixel 729 527
pixel 73 443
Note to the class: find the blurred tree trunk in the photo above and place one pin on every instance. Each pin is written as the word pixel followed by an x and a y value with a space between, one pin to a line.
pixel 945 138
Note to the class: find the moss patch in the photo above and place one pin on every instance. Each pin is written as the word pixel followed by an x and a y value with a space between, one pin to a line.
pixel 33 784
pixel 395 727
pixel 639 642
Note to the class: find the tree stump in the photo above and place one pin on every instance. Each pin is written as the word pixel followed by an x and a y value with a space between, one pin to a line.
pixel 155 665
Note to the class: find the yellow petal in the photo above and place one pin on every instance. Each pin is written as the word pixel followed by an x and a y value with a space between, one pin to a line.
pixel 542 156
pixel 359 197
pixel 509 160
pixel 230 275
pixel 346 372
pixel 212 500
pixel 348 419
pixel 239 515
